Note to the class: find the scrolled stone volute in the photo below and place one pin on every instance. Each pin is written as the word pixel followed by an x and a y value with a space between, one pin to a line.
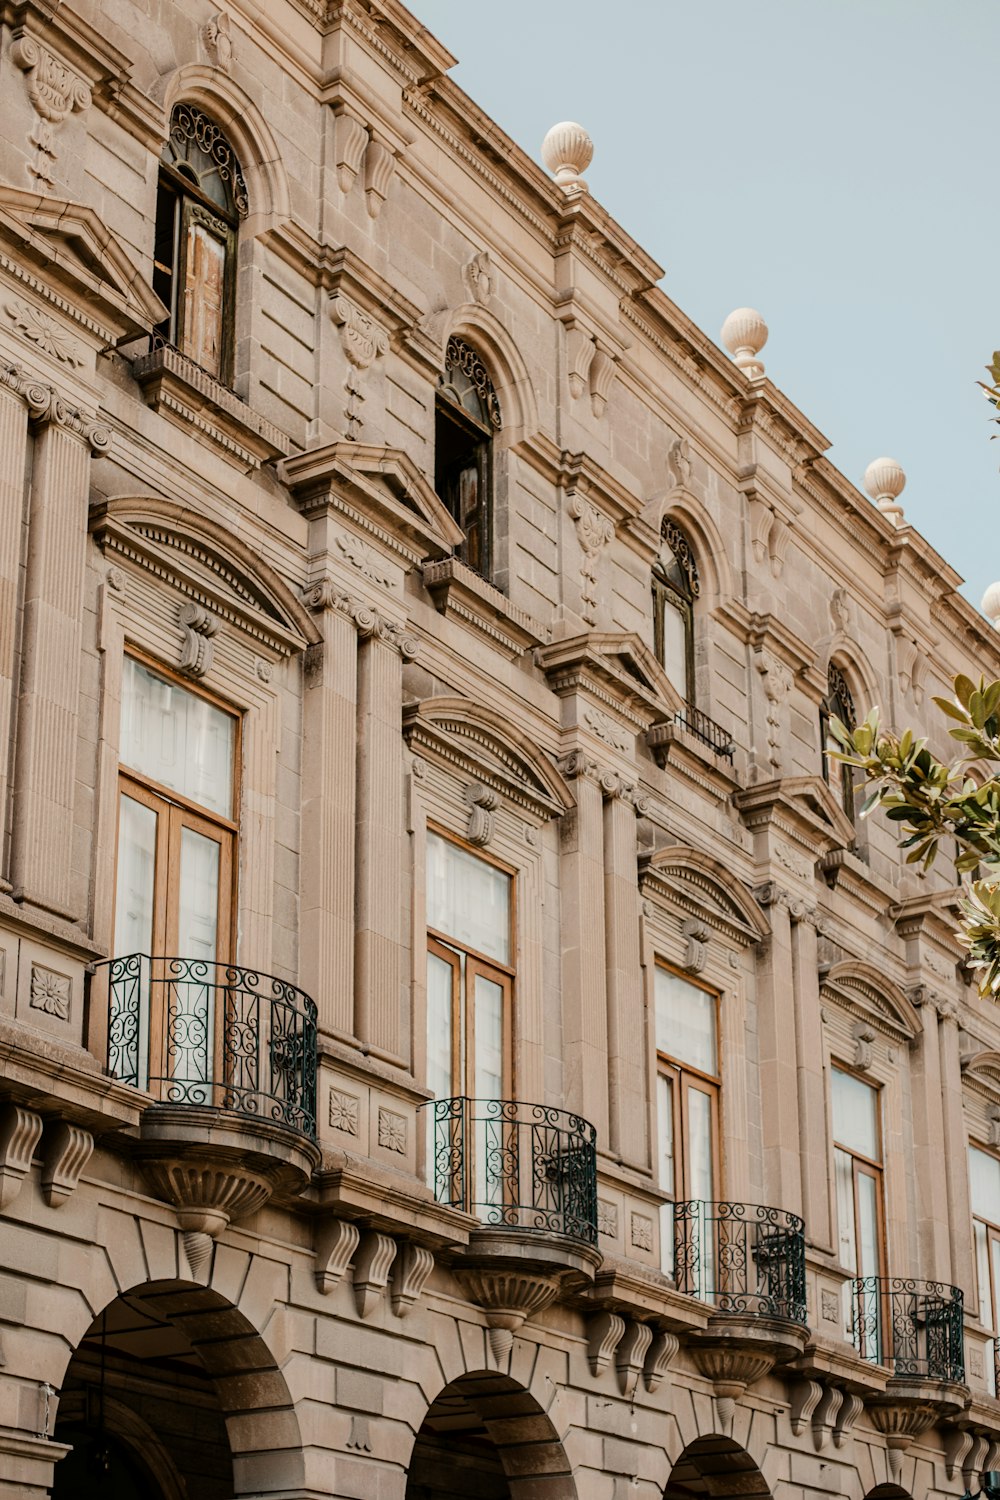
pixel 567 151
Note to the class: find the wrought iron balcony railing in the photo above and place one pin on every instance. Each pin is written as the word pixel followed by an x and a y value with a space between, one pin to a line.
pixel 200 1033
pixel 516 1166
pixel 742 1258
pixel 698 723
pixel 914 1327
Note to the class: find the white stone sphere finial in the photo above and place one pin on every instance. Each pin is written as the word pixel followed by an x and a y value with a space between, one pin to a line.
pixel 567 151
pixel 885 482
pixel 744 334
pixel 991 605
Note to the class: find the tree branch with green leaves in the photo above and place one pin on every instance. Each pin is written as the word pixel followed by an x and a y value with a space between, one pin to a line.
pixel 932 800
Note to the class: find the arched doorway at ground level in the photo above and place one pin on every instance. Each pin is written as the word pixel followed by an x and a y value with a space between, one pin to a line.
pixel 155 1399
pixel 715 1467
pixel 486 1436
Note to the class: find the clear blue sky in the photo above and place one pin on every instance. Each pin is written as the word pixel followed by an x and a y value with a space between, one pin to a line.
pixel 832 163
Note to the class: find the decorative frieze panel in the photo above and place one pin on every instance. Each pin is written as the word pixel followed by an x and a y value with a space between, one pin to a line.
pixel 42 330
pixel 50 992
pixel 594 531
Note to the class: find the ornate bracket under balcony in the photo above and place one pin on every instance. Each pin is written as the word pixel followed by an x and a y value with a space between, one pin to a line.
pixel 916 1330
pixel 528 1173
pixel 228 1057
pixel 748 1262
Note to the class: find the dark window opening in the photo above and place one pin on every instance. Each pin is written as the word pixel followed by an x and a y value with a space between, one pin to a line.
pixel 675 585
pixel 467 416
pixel 838 704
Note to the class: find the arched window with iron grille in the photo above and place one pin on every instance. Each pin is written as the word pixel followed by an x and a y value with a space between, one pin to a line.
pixel 201 199
pixel 467 419
pixel 676 586
pixel 838 704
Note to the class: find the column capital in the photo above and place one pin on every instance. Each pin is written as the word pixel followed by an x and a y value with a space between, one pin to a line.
pixel 367 620
pixel 45 405
pixel 799 910
pixel 611 782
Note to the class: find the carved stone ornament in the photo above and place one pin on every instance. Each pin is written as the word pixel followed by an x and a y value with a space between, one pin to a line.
pixel 483 802
pixel 604 1333
pixel 369 623
pixel 994 1125
pixel 603 368
pixel 679 466
pixel 50 992
pixel 413 1265
pixel 20 1132
pixel 198 649
pixel 731 1370
pixel 604 726
pixel 218 41
pixel 42 330
pixel 864 1045
pixel 371 1271
pixel 336 1242
pixel 363 339
pixel 642 1232
pixel 580 349
pixel 630 1356
pixel 68 1148
pixel 480 277
pixel 45 405
pixel 360 1436
pixel 55 92
pixel 697 934
pixel 363 556
pixel 508 1298
pixel 658 1360
pixel 777 684
pixel 392 1131
pixel 594 531
pixel 344 1110
pixel 607 1218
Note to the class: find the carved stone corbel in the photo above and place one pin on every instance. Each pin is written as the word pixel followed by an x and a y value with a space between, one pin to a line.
pixel 380 164
pixel 603 368
pixel 20 1132
pixel 697 934
pixel 350 137
pixel 604 1333
pixel 371 1271
pixel 661 1353
pixel 850 1410
pixel 594 531
pixel 198 650
pixel 864 1045
pixel 730 1370
pixel 336 1242
pixel 630 1356
pixel 805 1399
pixel 483 802
pixel 218 41
pixel 958 1441
pixel 55 93
pixel 825 1416
pixel 480 277
pixel 68 1148
pixel 580 350
pixel 413 1265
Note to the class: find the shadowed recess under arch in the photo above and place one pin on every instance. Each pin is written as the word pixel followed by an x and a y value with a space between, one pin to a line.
pixel 715 1467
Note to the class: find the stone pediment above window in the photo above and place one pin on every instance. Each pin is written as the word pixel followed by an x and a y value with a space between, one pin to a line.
pixel 77 266
pixel 380 490
pixel 872 998
pixel 462 594
pixel 616 667
pixel 696 885
pixel 482 743
pixel 803 807
pixel 982 1070
pixel 205 562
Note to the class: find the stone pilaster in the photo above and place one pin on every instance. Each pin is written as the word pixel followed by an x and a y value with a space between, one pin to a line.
pixel 776 1006
pixel 585 1019
pixel 379 838
pixel 45 761
pixel 929 1143
pixel 328 830
pixel 812 1145
pixel 628 1134
pixel 13 450
pixel 956 1151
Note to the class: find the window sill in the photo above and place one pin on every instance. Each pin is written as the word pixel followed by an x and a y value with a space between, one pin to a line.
pixel 184 393
pixel 459 593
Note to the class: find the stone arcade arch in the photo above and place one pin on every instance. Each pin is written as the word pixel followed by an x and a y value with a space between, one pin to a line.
pixel 485 1435
pixel 172 1392
pixel 715 1466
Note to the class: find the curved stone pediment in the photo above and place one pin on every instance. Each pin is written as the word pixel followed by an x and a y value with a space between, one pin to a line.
pixel 705 888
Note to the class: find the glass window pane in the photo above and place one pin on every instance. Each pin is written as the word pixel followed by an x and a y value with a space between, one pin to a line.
pixel 198 897
pixel 848 1243
pixel 439 1027
pixel 468 899
pixel 868 1247
pixel 177 739
pixel 984 1185
pixel 855 1115
pixel 665 1152
pixel 983 1274
pixel 489 1039
pixel 675 653
pixel 685 1022
pixel 701 1178
pixel 136 874
pixel 991 1304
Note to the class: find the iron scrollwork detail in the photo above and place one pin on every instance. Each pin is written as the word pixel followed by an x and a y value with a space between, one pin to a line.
pixel 742 1258
pixel 914 1327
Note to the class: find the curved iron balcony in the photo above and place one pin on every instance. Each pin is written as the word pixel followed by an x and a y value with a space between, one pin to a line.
pixel 516 1166
pixel 742 1258
pixel 193 1032
pixel 914 1327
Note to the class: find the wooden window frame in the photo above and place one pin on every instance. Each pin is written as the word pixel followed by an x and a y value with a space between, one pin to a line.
pixel 992 1234
pixel 868 1166
pixel 682 1075
pixel 451 951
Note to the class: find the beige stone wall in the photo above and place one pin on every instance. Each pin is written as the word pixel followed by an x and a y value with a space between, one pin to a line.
pixel 376 694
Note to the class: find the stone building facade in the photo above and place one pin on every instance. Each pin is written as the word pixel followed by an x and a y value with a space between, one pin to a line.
pixel 428 928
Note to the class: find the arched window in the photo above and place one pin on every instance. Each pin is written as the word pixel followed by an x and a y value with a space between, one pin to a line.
pixel 838 704
pixel 200 201
pixel 467 417
pixel 675 588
